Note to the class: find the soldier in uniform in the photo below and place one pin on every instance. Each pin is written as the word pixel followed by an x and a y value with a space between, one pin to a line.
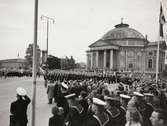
pixel 116 114
pixel 61 100
pixel 124 99
pixel 75 109
pixel 149 108
pixel 100 117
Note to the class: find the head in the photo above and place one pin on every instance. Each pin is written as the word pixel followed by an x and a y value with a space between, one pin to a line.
pixel 132 115
pixel 98 105
pixel 55 110
pixel 159 117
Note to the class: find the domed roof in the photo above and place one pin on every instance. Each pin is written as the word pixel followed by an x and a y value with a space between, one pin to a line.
pixel 122 31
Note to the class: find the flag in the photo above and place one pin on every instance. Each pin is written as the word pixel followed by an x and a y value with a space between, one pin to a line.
pixel 162 21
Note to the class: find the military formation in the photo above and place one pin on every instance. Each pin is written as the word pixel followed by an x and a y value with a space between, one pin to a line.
pixel 87 99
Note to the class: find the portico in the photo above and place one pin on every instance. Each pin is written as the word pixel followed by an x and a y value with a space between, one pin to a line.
pixel 102 59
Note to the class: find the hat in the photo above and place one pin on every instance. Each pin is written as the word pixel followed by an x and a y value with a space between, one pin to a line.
pixel 125 96
pixel 64 85
pixel 21 91
pixel 148 94
pixel 138 94
pixel 99 102
pixel 110 98
pixel 70 96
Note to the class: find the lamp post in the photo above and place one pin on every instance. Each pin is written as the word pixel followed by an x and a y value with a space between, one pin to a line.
pixel 47 36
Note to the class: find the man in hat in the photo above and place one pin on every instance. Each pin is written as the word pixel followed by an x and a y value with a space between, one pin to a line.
pixel 18 108
pixel 116 114
pixel 61 100
pixel 100 117
pixel 75 109
pixel 148 108
pixel 124 99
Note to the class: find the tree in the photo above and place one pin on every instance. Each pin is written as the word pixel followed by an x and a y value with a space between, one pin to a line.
pixel 68 63
pixel 29 56
pixel 53 62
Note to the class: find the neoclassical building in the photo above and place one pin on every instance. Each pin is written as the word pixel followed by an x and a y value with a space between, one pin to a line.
pixel 125 49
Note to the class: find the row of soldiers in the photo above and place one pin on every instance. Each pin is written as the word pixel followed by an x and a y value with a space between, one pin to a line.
pixel 112 77
pixel 91 103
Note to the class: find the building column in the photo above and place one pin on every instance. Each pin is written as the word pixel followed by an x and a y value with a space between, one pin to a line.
pixel 104 59
pixel 97 58
pixel 111 59
pixel 91 63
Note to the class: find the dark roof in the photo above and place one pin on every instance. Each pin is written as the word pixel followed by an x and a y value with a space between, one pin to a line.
pixel 122 31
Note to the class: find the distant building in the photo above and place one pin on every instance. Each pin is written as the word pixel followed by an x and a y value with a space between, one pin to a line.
pixel 125 49
pixel 17 63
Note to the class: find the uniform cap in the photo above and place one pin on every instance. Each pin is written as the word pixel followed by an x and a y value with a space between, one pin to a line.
pixel 70 96
pixel 148 94
pixel 64 85
pixel 110 98
pixel 138 94
pixel 21 91
pixel 99 102
pixel 125 96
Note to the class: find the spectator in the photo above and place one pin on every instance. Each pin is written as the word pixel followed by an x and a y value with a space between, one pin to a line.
pixel 159 117
pixel 18 108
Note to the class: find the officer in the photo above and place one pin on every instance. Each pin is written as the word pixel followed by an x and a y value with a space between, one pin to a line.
pixel 18 108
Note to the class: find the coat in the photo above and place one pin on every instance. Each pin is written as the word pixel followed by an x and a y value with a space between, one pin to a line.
pixel 56 120
pixel 18 111
pixel 50 91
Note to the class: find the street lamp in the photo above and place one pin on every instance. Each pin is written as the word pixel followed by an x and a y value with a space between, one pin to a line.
pixel 52 20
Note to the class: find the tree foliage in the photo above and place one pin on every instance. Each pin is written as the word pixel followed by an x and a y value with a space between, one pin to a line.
pixel 53 62
pixel 29 55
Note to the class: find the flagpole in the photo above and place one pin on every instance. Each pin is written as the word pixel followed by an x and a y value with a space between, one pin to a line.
pixel 34 61
pixel 157 59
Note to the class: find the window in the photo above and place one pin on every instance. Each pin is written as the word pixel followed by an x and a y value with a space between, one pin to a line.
pixel 130 65
pixel 150 53
pixel 150 64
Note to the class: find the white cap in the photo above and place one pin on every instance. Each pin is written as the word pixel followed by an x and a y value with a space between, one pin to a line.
pixel 125 96
pixel 99 102
pixel 138 94
pixel 64 85
pixel 21 91
pixel 70 96
pixel 148 94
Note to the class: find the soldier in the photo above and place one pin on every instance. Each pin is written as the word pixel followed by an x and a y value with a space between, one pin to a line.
pixel 75 109
pixel 100 117
pixel 116 114
pixel 149 108
pixel 124 99
pixel 61 100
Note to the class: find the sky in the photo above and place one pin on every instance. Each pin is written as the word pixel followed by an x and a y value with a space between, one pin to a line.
pixel 78 23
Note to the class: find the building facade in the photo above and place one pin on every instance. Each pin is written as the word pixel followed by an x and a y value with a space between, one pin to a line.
pixel 12 64
pixel 125 49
